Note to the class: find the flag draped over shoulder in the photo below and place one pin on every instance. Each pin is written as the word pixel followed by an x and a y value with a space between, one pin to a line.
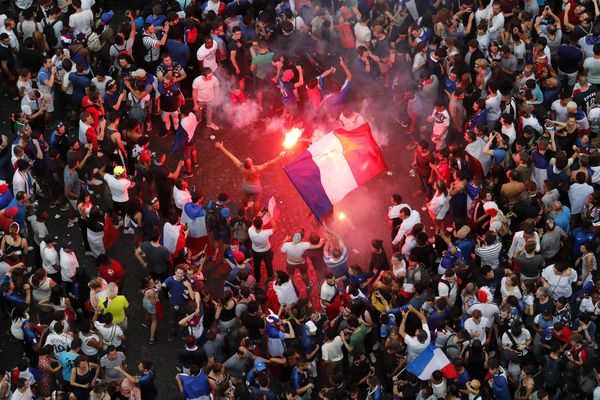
pixel 334 166
pixel 272 214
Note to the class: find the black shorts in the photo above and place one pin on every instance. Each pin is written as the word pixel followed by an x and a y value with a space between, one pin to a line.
pixel 120 206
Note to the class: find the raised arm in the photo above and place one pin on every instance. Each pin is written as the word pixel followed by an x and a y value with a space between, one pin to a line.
pixel 236 161
pixel 346 69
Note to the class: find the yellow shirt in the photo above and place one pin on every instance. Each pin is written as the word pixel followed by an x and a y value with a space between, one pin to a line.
pixel 116 307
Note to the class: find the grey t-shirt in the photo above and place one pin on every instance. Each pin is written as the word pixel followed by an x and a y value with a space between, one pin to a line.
pixel 214 349
pixel 236 366
pixel 72 181
pixel 110 373
pixel 530 267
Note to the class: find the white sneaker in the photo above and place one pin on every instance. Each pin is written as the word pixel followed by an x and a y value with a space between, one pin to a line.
pixel 64 208
pixel 89 253
pixel 71 223
pixel 213 126
pixel 128 231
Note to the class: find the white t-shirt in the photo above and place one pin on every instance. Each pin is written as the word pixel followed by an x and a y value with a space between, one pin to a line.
pixel 100 86
pixel 260 240
pixel 480 328
pixel 414 347
pixel 559 285
pixel 68 265
pixel 208 56
pixel 29 106
pixel 59 341
pixel 111 334
pixel 118 188
pixel 295 252
pixel 49 258
pixel 332 351
pixel 205 90
pixel 523 338
pixel 81 22
pixel 488 311
pixel 327 292
pixel 449 290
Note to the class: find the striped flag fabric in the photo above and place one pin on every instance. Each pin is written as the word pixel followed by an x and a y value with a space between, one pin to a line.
pixel 334 166
pixel 272 214
pixel 430 360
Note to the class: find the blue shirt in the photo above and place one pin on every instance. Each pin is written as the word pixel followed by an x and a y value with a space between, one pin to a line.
pixel 176 290
pixel 80 83
pixel 563 219
pixel 5 199
pixel 179 51
pixel 67 361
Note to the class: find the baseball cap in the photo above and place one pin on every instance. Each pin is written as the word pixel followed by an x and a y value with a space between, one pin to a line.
pixel 106 16
pixel 59 124
pixel 474 384
pixel 139 73
pixel 68 245
pixel 259 365
pixel 310 326
pixel 118 170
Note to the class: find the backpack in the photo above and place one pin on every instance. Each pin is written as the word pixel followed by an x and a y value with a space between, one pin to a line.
pixel 425 276
pixel 137 111
pixel 191 35
pixel 239 230
pixel 48 31
pixel 214 217
pixel 94 44
pixel 504 229
pixel 138 50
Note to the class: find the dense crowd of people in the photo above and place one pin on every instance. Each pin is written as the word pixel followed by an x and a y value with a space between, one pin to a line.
pixel 496 269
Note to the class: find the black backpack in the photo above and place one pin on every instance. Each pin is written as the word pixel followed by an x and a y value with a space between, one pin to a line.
pixel 214 217
pixel 138 50
pixel 48 31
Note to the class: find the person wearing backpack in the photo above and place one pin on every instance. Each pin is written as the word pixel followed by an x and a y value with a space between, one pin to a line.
pixel 52 28
pixel 151 45
pixel 239 228
pixel 217 223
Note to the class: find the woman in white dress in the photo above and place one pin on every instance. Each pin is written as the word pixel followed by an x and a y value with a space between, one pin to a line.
pixel 439 204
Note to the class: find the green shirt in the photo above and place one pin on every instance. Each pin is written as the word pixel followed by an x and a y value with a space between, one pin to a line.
pixel 357 339
pixel 260 62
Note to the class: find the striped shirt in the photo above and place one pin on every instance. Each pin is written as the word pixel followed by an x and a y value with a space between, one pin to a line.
pixel 489 255
pixel 153 53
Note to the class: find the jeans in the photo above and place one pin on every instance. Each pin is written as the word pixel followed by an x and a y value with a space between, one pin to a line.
pixel 209 107
pixel 257 258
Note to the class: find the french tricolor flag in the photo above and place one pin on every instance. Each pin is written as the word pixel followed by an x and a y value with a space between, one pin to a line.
pixel 334 166
pixel 430 360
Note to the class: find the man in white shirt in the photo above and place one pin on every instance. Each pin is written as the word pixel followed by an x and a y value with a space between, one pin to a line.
pixel 81 21
pixel 441 123
pixel 409 219
pixel 517 339
pixel 415 344
pixel 448 287
pixel 23 181
pixel 119 185
pixel 477 326
pixel 207 55
pixel 578 193
pixel 59 339
pixel 68 263
pixel 261 247
pixel 205 95
pixel 9 29
pixel 294 251
pixel 495 21
pixel 50 258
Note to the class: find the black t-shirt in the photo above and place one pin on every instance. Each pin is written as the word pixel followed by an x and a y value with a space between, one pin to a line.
pixel 54 166
pixel 240 53
pixel 7 55
pixel 31 59
pixel 587 98
pixel 379 262
pixel 254 324
pixel 169 100
pixel 190 357
pixel 160 173
pixel 540 308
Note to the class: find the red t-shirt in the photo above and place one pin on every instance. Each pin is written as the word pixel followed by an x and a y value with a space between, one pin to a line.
pixel 566 335
pixel 112 273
